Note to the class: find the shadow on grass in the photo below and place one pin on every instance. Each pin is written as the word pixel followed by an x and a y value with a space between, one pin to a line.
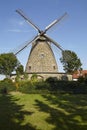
pixel 66 112
pixel 12 115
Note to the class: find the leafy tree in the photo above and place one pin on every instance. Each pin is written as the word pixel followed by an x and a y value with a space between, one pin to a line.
pixel 8 63
pixel 25 76
pixel 20 70
pixel 70 61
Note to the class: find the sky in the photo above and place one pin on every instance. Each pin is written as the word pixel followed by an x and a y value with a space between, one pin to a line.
pixel 70 33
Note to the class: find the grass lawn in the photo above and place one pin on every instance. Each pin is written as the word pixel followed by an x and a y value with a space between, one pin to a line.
pixel 43 112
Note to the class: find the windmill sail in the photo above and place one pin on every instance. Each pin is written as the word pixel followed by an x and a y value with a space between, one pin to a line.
pixel 41 58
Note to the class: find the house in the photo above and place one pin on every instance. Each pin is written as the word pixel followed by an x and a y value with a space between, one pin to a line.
pixel 78 74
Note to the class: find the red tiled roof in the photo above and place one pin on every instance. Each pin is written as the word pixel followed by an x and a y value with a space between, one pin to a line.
pixel 77 74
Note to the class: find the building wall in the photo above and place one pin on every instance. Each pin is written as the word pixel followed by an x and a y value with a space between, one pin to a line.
pixel 44 76
pixel 59 76
pixel 41 58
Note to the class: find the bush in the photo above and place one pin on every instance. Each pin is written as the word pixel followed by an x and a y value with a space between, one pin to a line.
pixel 85 80
pixel 33 87
pixel 81 79
pixel 41 85
pixel 26 87
pixel 51 85
pixel 67 86
pixel 51 79
pixel 6 86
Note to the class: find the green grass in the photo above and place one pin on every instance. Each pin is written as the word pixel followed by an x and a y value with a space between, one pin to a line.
pixel 43 112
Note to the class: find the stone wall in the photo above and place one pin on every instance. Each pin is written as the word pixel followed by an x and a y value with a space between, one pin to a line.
pixel 44 76
pixel 59 76
pixel 41 58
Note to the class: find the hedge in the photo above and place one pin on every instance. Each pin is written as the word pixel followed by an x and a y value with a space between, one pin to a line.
pixel 7 86
pixel 51 85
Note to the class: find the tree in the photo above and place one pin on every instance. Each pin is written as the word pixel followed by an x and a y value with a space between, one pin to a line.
pixel 70 61
pixel 8 63
pixel 20 70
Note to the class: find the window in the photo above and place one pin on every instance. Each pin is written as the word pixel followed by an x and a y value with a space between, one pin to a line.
pixel 54 67
pixel 42 55
pixel 29 67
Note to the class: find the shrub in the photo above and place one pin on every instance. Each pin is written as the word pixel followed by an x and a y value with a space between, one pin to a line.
pixel 85 80
pixel 51 79
pixel 51 85
pixel 67 86
pixel 42 85
pixel 33 87
pixel 81 79
pixel 6 86
pixel 26 87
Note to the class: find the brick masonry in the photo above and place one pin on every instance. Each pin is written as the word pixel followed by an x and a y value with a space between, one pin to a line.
pixel 41 62
pixel 41 58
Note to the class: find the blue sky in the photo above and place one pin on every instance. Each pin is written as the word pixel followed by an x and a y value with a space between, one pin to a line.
pixel 70 33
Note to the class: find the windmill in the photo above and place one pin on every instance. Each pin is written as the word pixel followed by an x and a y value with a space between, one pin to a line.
pixel 41 58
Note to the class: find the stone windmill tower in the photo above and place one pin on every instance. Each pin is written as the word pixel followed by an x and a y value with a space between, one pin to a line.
pixel 41 58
